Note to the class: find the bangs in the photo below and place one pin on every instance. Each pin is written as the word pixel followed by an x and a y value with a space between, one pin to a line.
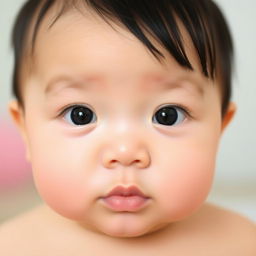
pixel 160 19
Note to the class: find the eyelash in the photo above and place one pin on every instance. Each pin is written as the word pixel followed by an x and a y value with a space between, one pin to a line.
pixel 186 111
pixel 183 108
pixel 70 106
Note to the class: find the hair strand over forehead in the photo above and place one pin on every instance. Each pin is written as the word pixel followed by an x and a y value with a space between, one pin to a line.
pixel 202 20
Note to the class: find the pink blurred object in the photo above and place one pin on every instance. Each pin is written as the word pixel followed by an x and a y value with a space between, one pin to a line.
pixel 15 171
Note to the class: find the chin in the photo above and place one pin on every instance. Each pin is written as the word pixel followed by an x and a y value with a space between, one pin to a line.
pixel 129 229
pixel 125 233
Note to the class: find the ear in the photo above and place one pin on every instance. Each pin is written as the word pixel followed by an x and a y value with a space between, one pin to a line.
pixel 17 114
pixel 231 110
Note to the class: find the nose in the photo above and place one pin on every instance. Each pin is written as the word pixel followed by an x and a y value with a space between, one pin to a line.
pixel 126 154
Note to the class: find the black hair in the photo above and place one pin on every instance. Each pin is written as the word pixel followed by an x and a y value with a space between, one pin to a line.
pixel 202 19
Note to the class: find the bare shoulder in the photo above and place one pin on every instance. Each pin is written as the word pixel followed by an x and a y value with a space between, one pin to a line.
pixel 232 219
pixel 235 232
pixel 39 232
pixel 20 221
pixel 17 233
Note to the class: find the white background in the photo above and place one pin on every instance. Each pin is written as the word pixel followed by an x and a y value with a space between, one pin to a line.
pixel 235 180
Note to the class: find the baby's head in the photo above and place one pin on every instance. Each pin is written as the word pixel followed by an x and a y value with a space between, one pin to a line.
pixel 125 93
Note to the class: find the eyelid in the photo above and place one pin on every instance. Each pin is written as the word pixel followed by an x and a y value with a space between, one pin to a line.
pixel 65 115
pixel 73 105
pixel 180 106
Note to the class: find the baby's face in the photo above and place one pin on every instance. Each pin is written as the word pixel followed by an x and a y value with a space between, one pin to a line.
pixel 101 112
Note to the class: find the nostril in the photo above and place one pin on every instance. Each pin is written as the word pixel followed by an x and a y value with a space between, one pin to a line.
pixel 112 163
pixel 140 159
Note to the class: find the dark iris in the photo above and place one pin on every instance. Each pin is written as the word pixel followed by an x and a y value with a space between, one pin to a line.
pixel 81 115
pixel 167 115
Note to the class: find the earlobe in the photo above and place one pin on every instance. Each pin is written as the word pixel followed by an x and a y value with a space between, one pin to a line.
pixel 17 114
pixel 231 110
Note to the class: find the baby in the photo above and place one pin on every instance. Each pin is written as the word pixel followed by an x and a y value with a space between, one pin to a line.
pixel 121 105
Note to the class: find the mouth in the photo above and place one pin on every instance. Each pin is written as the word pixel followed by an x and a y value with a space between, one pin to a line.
pixel 126 191
pixel 130 199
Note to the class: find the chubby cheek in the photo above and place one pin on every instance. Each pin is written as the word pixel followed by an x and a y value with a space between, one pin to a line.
pixel 186 184
pixel 62 179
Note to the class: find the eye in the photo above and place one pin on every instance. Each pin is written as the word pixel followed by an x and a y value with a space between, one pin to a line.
pixel 78 115
pixel 170 115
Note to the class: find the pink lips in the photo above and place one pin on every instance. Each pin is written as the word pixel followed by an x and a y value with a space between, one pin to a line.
pixel 129 199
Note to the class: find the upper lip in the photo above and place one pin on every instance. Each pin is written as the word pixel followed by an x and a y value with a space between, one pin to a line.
pixel 126 191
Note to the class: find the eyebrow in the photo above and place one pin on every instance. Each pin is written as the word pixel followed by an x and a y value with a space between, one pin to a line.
pixel 62 82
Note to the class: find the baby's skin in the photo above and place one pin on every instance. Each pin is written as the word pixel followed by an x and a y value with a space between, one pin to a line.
pixel 100 113
pixel 211 231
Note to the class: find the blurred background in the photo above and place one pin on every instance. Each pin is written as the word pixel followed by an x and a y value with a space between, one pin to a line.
pixel 235 180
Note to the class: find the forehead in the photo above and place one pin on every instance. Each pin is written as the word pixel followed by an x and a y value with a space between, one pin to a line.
pixel 80 44
pixel 80 31
pixel 81 48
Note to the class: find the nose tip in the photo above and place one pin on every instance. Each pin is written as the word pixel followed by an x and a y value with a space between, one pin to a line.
pixel 126 156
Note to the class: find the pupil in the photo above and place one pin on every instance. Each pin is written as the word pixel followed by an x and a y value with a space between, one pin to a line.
pixel 81 115
pixel 167 116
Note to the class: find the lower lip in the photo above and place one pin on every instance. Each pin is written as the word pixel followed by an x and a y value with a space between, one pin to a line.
pixel 125 203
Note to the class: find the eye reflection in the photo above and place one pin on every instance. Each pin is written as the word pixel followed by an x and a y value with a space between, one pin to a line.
pixel 170 115
pixel 79 115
